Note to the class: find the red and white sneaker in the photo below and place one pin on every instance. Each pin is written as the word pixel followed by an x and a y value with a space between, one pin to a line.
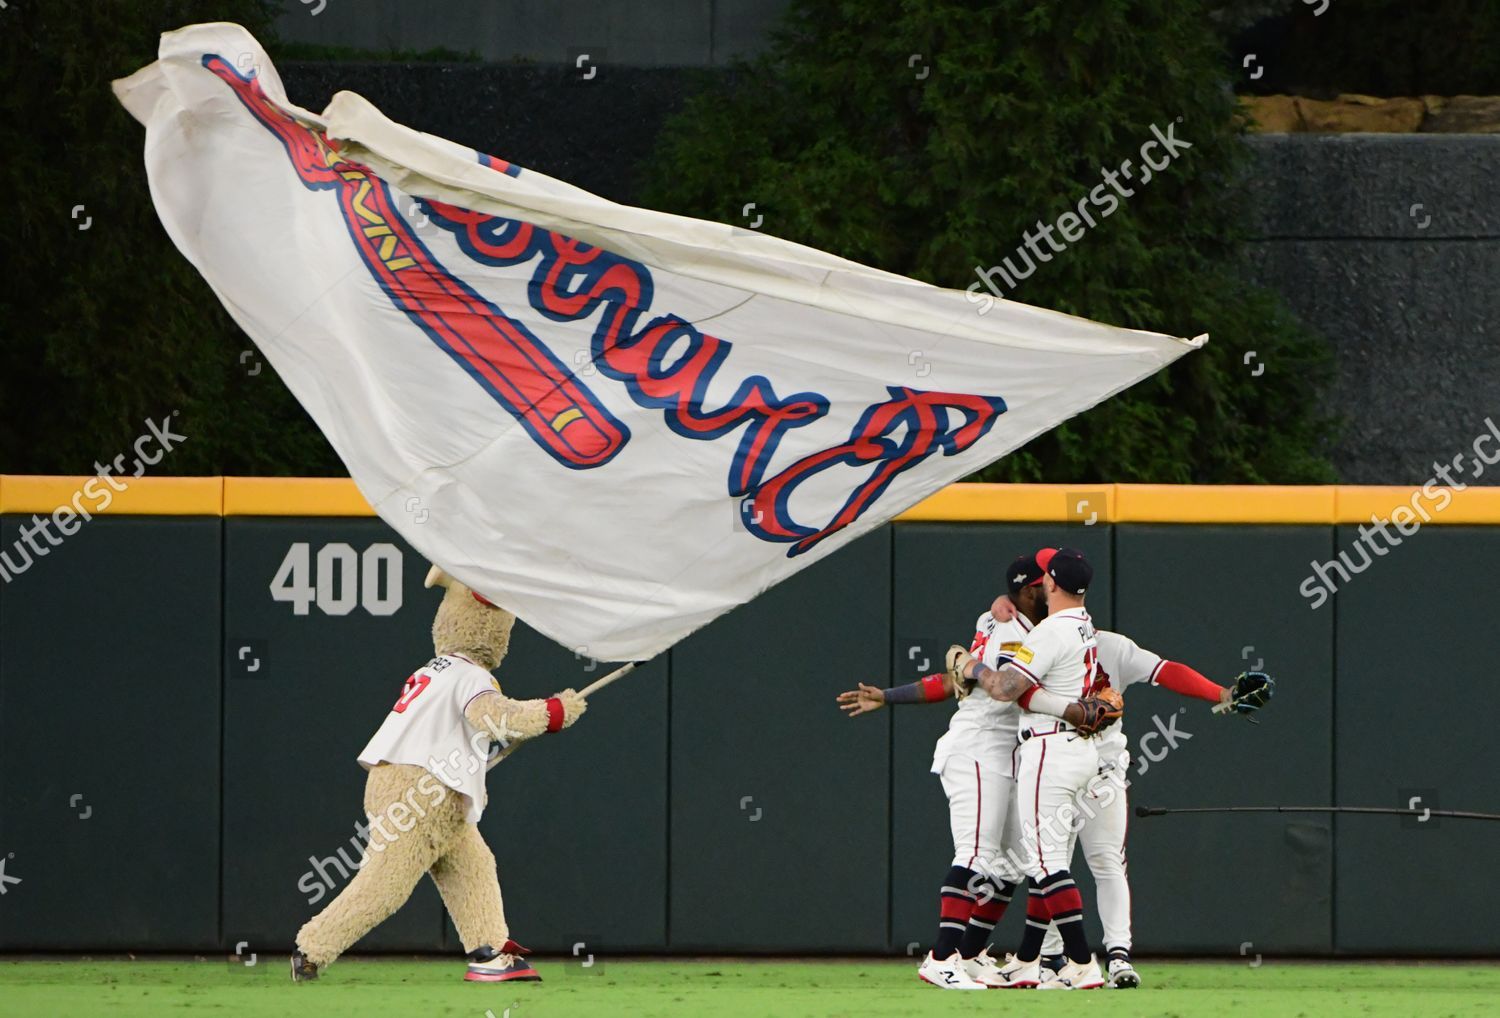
pixel 487 965
pixel 1016 974
pixel 1076 976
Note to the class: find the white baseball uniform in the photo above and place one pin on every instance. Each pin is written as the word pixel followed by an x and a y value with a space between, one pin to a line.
pixel 427 727
pixel 1105 811
pixel 974 760
pixel 1054 763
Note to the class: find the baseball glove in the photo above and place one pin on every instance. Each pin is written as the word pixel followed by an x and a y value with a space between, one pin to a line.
pixel 957 660
pixel 1100 710
pixel 1251 691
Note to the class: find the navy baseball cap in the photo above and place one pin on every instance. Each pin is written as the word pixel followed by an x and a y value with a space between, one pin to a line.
pixel 1070 570
pixel 1024 572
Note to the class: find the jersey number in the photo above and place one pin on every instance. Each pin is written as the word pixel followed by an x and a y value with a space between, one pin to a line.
pixel 411 690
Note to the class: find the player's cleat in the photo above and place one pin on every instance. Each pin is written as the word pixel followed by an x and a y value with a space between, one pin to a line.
pixel 1122 974
pixel 303 971
pixel 487 965
pixel 948 975
pixel 983 970
pixel 1016 974
pixel 1074 976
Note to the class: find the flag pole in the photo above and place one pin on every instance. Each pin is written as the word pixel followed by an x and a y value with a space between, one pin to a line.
pixel 614 676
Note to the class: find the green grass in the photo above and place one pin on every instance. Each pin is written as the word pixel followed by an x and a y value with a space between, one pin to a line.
pixel 725 988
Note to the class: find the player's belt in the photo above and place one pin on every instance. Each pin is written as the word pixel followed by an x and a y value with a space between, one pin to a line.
pixel 1059 728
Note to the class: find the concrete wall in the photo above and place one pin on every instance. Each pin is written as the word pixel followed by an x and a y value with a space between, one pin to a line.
pixel 1389 245
pixel 177 747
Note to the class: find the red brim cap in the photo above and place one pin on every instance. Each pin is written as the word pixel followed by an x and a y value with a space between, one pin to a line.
pixel 1044 559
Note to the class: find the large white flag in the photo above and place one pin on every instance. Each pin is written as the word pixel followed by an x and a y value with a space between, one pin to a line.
pixel 615 422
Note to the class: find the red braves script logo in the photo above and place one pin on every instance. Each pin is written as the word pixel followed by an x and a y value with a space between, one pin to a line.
pixel 664 362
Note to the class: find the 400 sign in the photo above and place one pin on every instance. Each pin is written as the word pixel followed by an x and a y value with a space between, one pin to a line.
pixel 338 579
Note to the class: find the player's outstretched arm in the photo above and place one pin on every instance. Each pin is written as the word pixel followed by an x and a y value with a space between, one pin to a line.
pixel 511 721
pixel 867 698
pixel 1186 681
pixel 1248 693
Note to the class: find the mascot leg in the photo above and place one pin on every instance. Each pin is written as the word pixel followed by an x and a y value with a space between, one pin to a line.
pixel 394 861
pixel 465 877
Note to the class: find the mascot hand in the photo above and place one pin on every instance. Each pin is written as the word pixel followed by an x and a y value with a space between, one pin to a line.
pixel 570 708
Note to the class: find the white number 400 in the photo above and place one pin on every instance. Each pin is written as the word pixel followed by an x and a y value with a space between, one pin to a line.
pixel 340 579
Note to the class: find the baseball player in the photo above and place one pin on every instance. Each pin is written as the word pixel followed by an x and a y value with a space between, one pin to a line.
pixel 1104 812
pixel 974 760
pixel 1050 677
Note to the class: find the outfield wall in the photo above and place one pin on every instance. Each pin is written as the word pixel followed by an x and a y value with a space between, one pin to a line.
pixel 177 745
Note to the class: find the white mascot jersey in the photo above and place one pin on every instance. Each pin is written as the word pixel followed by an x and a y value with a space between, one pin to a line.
pixel 427 728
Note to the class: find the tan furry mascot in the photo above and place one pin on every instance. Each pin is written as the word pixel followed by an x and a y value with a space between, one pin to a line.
pixel 425 793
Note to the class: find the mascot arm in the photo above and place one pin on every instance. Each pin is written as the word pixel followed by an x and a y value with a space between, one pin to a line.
pixel 510 720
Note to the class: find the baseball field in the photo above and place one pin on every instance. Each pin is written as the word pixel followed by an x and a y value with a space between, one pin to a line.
pixel 725 988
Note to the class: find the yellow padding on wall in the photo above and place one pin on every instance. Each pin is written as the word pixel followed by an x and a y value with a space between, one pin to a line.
pixel 1227 503
pixel 977 503
pixel 141 496
pixel 293 496
pixel 957 503
pixel 1443 505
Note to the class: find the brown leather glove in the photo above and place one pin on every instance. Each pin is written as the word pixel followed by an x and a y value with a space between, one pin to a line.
pixel 1100 710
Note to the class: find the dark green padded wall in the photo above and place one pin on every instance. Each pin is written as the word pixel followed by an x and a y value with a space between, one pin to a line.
pixel 109 738
pixel 1224 599
pixel 717 800
pixel 1411 723
pixel 780 817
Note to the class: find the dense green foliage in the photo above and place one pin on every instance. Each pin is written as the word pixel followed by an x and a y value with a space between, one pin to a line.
pixel 845 145
pixel 104 327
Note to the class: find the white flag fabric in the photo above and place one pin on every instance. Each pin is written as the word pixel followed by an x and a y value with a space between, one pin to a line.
pixel 617 423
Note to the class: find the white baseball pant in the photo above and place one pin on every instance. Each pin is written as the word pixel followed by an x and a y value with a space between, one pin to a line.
pixel 1052 773
pixel 980 813
pixel 1105 818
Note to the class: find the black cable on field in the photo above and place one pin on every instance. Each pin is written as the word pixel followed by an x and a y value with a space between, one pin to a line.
pixel 1453 814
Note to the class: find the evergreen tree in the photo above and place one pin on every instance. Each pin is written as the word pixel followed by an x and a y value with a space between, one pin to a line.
pixel 104 327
